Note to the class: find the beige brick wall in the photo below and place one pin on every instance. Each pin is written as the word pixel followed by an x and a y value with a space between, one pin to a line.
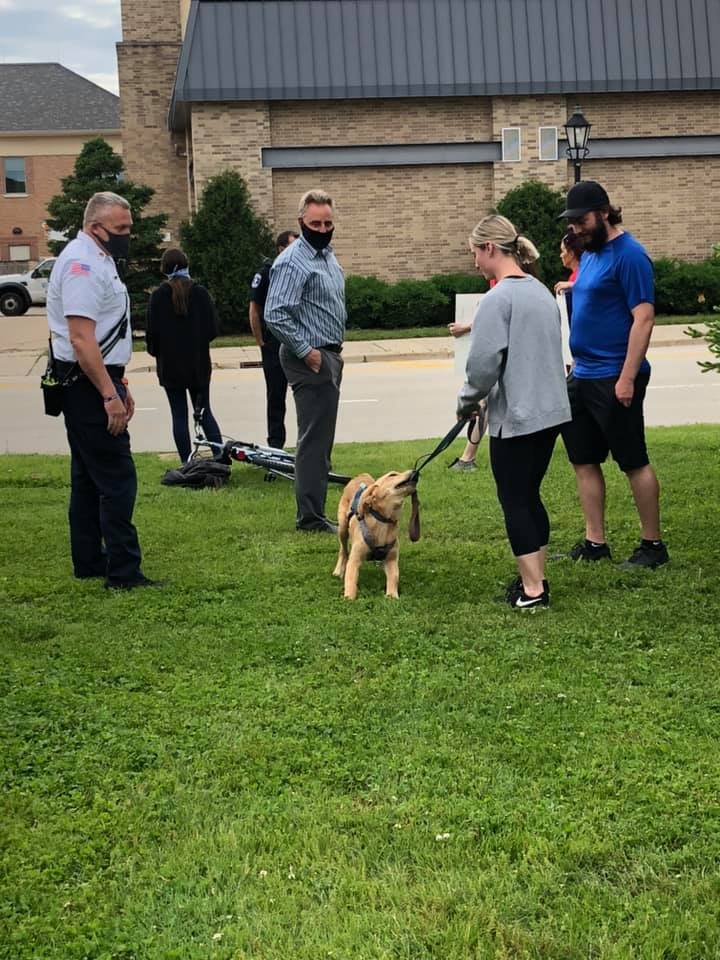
pixel 360 122
pixel 154 20
pixel 147 62
pixel 662 204
pixel 650 114
pixel 230 137
pixel 147 73
pixel 395 222
pixel 528 113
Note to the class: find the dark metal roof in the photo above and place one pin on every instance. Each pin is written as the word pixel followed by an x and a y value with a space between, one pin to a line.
pixel 48 97
pixel 319 49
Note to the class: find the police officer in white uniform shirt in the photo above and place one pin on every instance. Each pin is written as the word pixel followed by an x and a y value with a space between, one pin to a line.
pixel 88 311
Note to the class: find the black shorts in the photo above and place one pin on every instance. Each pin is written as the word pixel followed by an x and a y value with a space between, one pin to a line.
pixel 601 424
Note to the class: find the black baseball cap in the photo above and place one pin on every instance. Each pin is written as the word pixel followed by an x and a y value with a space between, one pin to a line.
pixel 583 197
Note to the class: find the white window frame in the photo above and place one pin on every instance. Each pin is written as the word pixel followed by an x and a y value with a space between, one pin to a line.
pixel 14 247
pixel 540 150
pixel 505 158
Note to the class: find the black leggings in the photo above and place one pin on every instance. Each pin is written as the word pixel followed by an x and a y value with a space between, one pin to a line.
pixel 199 398
pixel 519 465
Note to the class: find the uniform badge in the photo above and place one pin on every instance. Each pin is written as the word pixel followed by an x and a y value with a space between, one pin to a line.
pixel 256 281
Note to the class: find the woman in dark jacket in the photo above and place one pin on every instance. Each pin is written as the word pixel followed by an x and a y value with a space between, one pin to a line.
pixel 181 322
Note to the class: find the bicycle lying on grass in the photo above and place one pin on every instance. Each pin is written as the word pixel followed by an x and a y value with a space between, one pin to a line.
pixel 275 462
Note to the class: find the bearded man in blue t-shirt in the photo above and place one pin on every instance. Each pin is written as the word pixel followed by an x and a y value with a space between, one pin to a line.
pixel 613 314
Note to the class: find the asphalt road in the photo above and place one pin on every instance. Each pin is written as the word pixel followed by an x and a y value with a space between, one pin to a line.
pixel 393 400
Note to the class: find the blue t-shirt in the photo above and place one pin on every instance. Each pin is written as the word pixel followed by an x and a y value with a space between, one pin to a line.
pixel 609 285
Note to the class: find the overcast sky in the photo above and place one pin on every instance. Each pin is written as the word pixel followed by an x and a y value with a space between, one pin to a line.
pixel 79 35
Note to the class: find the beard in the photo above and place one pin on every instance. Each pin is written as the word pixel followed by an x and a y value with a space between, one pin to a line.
pixel 594 240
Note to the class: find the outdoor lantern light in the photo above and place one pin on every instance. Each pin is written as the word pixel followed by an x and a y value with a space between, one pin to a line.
pixel 577 131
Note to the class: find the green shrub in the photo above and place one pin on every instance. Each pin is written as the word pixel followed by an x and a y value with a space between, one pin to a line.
pixel 413 303
pixel 533 209
pixel 365 299
pixel 225 243
pixel 686 288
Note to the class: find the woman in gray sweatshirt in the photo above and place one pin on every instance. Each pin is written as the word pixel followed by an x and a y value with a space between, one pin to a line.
pixel 516 362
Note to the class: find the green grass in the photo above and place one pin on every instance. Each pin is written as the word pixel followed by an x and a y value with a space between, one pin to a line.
pixel 243 765
pixel 245 340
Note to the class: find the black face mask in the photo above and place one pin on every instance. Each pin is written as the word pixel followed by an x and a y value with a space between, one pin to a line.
pixel 316 239
pixel 117 244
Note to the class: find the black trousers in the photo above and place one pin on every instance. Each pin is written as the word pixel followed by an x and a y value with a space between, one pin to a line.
pixel 317 396
pixel 519 465
pixel 276 392
pixel 200 400
pixel 103 486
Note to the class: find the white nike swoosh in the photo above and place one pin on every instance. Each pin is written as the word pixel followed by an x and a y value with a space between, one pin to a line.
pixel 533 601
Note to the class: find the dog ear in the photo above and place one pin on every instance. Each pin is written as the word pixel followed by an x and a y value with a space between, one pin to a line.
pixel 367 501
pixel 414 529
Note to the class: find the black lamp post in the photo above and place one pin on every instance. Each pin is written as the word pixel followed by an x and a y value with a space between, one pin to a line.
pixel 577 131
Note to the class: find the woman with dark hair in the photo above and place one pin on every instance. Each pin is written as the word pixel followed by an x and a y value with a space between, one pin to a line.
pixel 181 323
pixel 571 249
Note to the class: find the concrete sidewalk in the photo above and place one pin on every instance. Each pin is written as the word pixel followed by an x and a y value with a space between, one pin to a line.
pixel 378 351
pixel 23 345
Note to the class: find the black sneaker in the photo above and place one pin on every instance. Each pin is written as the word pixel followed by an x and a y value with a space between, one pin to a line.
pixel 133 584
pixel 521 601
pixel 515 588
pixel 585 550
pixel 648 557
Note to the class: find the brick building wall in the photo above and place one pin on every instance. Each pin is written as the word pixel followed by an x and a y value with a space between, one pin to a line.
pixel 408 220
pixel 395 222
pixel 28 213
pixel 147 62
pixel 661 203
pixel 356 122
pixel 230 136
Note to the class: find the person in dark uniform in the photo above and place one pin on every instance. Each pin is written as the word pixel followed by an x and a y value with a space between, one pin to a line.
pixel 275 379
pixel 88 311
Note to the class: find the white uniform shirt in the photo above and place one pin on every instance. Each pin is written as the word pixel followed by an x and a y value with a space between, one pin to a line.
pixel 84 283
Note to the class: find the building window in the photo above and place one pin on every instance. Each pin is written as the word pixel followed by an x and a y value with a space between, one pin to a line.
pixel 510 144
pixel 15 181
pixel 20 252
pixel 548 143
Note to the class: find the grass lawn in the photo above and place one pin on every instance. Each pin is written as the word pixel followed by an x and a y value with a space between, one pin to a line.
pixel 243 765
pixel 245 340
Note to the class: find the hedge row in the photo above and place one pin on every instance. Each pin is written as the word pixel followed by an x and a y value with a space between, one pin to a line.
pixel 408 303
pixel 681 288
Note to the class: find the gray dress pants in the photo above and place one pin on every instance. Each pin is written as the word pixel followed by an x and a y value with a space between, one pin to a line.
pixel 316 396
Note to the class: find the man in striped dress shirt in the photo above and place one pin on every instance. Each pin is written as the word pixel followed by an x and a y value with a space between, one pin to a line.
pixel 305 310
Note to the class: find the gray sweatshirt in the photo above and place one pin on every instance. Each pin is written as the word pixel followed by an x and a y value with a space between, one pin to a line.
pixel 515 360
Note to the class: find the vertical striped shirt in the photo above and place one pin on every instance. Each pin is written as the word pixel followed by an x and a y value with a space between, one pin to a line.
pixel 305 307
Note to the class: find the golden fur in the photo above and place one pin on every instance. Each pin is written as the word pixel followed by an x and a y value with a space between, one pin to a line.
pixel 386 496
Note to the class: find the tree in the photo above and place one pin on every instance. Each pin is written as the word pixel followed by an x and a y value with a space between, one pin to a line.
pixel 712 334
pixel 533 208
pixel 99 168
pixel 225 243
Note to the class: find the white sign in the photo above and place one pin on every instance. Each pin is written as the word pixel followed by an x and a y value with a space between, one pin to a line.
pixel 466 306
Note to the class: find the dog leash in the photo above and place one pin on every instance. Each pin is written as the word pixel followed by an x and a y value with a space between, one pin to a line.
pixel 426 458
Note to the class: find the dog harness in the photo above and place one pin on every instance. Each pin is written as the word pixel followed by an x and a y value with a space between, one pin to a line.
pixel 377 552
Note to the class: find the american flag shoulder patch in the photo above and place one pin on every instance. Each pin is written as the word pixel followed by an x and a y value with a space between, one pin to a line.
pixel 80 269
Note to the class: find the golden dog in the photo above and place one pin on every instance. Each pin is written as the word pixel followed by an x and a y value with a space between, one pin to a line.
pixel 368 516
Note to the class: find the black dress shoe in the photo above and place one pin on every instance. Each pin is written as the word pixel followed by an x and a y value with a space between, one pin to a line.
pixel 318 526
pixel 133 584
